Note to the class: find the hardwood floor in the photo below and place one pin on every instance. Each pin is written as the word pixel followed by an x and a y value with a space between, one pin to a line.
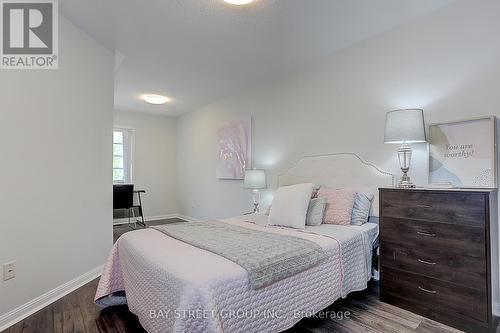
pixel 77 312
pixel 362 311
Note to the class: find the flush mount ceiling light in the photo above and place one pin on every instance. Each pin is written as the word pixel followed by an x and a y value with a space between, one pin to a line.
pixel 155 99
pixel 238 2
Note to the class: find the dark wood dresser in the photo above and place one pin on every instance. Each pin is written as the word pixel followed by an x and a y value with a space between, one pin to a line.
pixel 435 254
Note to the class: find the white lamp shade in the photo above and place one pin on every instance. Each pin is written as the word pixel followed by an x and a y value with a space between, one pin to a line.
pixel 255 179
pixel 405 126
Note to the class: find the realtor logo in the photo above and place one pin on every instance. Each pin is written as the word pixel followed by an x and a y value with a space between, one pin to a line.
pixel 29 38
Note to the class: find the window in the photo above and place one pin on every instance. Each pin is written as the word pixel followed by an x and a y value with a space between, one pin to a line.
pixel 122 156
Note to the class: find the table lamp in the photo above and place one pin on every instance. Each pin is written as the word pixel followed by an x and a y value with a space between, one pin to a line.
pixel 404 127
pixel 255 180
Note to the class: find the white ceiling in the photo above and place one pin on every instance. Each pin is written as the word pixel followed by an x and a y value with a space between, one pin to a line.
pixel 197 51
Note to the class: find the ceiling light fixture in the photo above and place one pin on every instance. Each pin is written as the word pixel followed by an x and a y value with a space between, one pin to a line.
pixel 155 99
pixel 238 2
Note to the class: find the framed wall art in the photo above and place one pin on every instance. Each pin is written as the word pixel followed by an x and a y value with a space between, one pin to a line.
pixel 234 145
pixel 463 153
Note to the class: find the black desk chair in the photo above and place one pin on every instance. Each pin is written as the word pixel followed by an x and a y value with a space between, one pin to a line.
pixel 123 198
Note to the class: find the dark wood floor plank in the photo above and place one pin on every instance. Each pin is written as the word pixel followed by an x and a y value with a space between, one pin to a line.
pixel 105 323
pixel 377 322
pixel 58 322
pixel 39 322
pixel 17 328
pixel 373 303
pixel 347 326
pixel 408 322
pixel 429 326
pixel 363 320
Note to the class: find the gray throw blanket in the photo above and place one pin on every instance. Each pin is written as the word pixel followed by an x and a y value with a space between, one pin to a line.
pixel 267 257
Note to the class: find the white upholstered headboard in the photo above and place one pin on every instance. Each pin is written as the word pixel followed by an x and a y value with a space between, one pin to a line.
pixel 339 170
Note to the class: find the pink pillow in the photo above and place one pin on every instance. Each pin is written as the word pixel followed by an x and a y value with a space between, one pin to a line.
pixel 339 207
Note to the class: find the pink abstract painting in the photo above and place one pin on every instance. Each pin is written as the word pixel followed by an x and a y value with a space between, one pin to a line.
pixel 234 142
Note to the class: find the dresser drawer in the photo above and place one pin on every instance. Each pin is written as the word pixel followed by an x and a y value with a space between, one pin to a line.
pixel 434 254
pixel 435 295
pixel 434 237
pixel 439 264
pixel 450 207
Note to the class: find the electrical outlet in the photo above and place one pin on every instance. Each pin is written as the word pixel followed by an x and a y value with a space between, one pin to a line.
pixel 9 270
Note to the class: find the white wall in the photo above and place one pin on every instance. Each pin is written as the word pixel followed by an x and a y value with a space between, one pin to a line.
pixel 55 170
pixel 154 159
pixel 447 63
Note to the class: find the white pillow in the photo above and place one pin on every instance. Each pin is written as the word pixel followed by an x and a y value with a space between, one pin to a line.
pixel 290 206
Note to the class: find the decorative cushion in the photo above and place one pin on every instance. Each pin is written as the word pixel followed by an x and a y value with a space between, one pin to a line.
pixel 361 208
pixel 339 207
pixel 316 211
pixel 290 206
pixel 314 195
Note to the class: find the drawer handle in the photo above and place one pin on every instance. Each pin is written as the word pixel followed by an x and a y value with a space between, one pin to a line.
pixel 427 290
pixel 426 262
pixel 428 234
pixel 424 206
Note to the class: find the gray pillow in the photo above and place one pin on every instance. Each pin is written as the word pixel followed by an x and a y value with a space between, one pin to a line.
pixel 361 209
pixel 316 211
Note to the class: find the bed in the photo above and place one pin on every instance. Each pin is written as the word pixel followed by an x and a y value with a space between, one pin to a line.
pixel 176 287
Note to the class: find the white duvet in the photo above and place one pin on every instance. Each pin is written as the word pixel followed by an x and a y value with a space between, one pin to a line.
pixel 175 287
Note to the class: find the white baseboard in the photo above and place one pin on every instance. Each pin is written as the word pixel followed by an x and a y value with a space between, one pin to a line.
pixel 187 218
pixel 146 218
pixel 27 309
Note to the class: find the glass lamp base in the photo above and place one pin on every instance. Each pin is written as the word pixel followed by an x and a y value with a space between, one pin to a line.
pixel 404 156
pixel 405 182
pixel 256 201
